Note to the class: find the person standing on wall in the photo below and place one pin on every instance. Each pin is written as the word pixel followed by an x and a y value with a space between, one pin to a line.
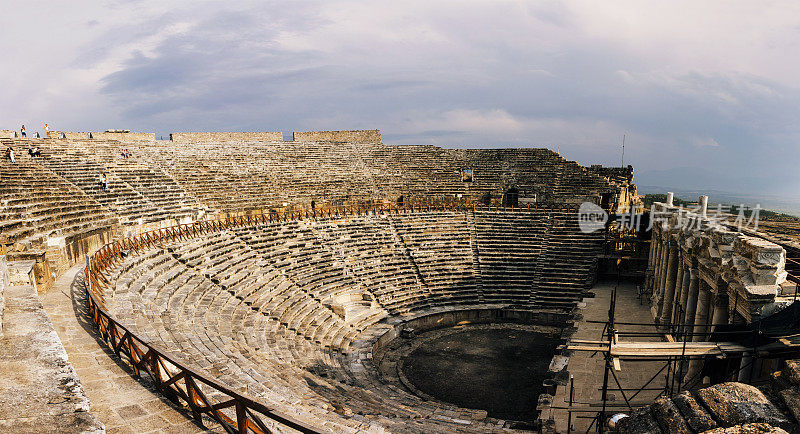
pixel 104 181
pixel 46 131
pixel 22 132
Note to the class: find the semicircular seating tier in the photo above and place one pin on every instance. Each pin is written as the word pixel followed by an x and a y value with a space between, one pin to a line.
pixel 40 213
pixel 275 310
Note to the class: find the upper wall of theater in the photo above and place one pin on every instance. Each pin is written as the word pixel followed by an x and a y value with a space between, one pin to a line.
pixel 351 136
pixel 217 137
pixel 120 136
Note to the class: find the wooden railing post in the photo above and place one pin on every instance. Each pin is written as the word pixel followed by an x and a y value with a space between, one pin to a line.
pixel 241 418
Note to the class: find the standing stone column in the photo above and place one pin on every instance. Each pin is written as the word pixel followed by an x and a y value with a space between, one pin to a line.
pixel 701 316
pixel 665 307
pixel 676 300
pixel 703 202
pixel 664 265
pixel 651 261
pixel 657 264
pixel 691 301
pixel 679 315
pixel 652 254
pixel 745 367
pixel 700 327
pixel 662 280
pixel 720 310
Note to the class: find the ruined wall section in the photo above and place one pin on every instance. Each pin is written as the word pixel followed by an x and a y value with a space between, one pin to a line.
pixel 350 136
pixel 69 135
pixel 4 283
pixel 85 135
pixel 740 277
pixel 219 137
pixel 623 178
pixel 125 137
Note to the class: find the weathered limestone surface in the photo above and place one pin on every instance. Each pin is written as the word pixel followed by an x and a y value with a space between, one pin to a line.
pixel 641 421
pixel 124 137
pixel 695 415
pixel 791 371
pixel 4 283
pixel 744 270
pixel 39 390
pixel 669 417
pixel 748 428
pixel 120 400
pixel 220 137
pixel 352 136
pixel 722 408
pixel 737 403
pixel 20 273
pixel 106 135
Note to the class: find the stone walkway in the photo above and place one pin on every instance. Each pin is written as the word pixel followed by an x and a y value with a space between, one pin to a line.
pixel 587 368
pixel 39 391
pixel 123 403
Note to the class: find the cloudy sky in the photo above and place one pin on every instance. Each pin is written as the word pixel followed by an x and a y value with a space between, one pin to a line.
pixel 707 93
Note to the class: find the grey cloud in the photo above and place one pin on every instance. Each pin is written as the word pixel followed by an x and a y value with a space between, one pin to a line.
pixel 233 69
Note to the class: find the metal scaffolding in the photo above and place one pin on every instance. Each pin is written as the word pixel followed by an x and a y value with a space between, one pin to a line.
pixel 682 360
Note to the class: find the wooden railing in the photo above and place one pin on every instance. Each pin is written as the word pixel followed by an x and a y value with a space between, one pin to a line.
pixel 236 413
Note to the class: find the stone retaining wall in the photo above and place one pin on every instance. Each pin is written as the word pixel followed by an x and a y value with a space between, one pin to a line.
pixel 122 137
pixel 557 374
pixel 4 282
pixel 473 316
pixel 64 252
pixel 41 390
pixel 70 135
pixel 352 136
pixel 217 137
pixel 61 253
pixel 125 137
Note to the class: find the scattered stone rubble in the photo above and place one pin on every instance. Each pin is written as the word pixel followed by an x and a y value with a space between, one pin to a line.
pixel 723 408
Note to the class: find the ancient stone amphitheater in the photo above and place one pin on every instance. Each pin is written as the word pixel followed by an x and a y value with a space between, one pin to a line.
pixel 259 281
